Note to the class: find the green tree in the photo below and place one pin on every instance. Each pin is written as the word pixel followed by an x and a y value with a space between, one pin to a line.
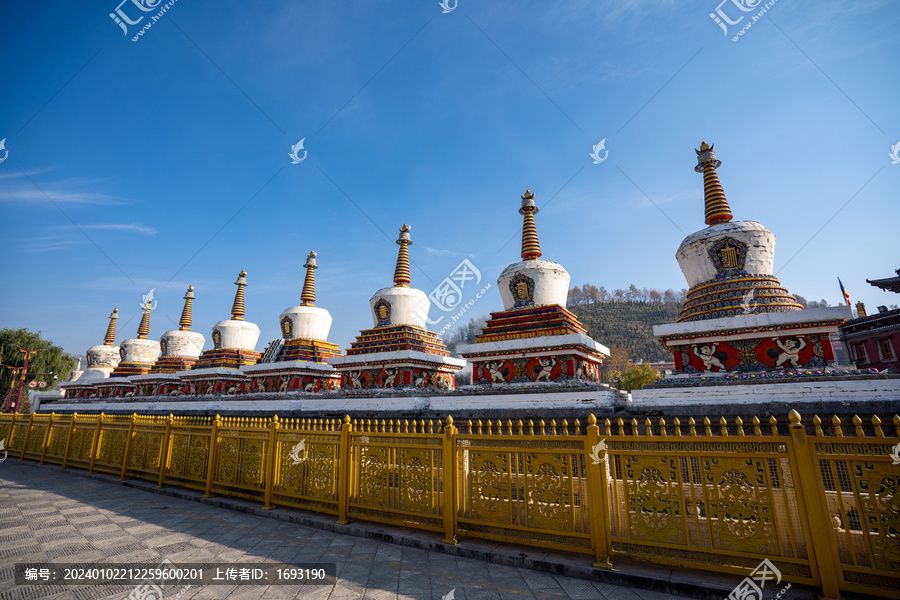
pixel 637 376
pixel 51 359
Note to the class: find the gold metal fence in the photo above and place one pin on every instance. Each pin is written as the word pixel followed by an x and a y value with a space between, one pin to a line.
pixel 822 505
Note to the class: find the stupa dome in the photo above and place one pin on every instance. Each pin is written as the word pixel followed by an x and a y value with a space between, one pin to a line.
pixel 140 349
pixel 532 282
pixel 400 304
pixel 182 342
pixel 236 333
pixel 728 265
pixel 306 321
pixel 103 358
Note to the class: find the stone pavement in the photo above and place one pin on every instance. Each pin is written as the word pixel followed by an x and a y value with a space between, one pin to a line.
pixel 58 516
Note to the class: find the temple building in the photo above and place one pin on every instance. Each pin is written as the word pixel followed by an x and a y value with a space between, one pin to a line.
pixel 298 361
pixel 737 316
pixel 398 352
pixel 234 345
pixel 874 340
pixel 534 339
pixel 101 360
pixel 180 349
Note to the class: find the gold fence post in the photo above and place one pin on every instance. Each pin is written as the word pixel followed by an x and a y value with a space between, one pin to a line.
pixel 270 464
pixel 164 451
pixel 9 434
pixel 27 435
pixel 128 447
pixel 822 548
pixel 213 455
pixel 344 469
pixel 598 494
pixel 65 462
pixel 451 497
pixel 46 437
pixel 95 445
pixel 12 426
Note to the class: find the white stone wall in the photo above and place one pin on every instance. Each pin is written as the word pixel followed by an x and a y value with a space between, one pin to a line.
pixel 182 344
pixel 310 322
pixel 850 391
pixel 697 266
pixel 140 351
pixel 239 335
pixel 409 306
pixel 551 282
pixel 444 404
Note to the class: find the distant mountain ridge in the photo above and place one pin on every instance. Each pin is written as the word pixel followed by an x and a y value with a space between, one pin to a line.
pixel 628 324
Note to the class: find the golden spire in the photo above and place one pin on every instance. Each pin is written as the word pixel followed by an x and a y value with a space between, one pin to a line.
pixel 401 271
pixel 110 338
pixel 144 327
pixel 237 309
pixel 185 323
pixel 531 247
pixel 147 305
pixel 308 295
pixel 717 209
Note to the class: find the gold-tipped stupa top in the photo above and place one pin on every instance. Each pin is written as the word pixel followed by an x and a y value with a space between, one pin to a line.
pixel 716 206
pixel 401 271
pixel 237 309
pixel 308 295
pixel 144 327
pixel 185 323
pixel 531 247
pixel 110 338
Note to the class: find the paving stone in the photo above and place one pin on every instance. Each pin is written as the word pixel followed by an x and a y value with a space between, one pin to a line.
pixel 107 521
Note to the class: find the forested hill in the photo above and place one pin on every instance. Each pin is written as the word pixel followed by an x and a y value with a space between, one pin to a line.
pixel 628 324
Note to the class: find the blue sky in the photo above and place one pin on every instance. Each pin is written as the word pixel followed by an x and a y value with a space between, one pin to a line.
pixel 166 163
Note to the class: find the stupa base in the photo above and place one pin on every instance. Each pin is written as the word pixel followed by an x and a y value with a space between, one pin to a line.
pixel 214 381
pixel 173 364
pixel 227 358
pixel 404 369
pixel 80 390
pixel 756 343
pixel 561 360
pixel 292 376
pixel 161 384
pixel 115 387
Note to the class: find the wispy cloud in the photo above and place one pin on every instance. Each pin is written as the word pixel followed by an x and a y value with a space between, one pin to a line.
pixel 14 187
pixel 49 243
pixel 119 227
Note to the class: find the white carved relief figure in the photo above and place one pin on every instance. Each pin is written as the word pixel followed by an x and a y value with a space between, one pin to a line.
pixel 547 365
pixel 790 350
pixel 707 353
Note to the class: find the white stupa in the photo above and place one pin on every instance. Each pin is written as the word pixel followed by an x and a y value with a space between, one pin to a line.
pixel 180 349
pixel 534 339
pixel 234 345
pixel 298 361
pixel 103 358
pixel 399 351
